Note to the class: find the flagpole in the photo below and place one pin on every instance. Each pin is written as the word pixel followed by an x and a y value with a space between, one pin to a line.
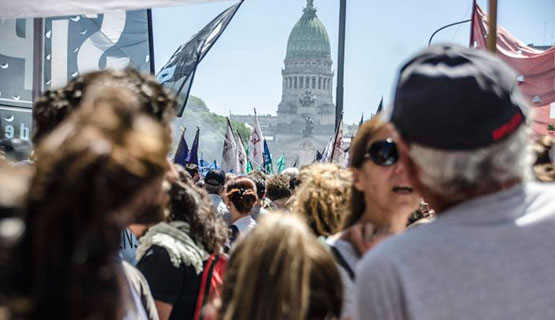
pixel 150 41
pixel 492 23
pixel 38 48
pixel 335 139
pixel 471 41
pixel 340 63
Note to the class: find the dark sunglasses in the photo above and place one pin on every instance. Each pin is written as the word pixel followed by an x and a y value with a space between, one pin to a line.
pixel 383 153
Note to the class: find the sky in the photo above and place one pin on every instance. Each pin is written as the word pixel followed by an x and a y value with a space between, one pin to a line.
pixel 243 69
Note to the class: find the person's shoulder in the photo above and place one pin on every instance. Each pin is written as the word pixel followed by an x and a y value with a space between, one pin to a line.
pixel 155 255
pixel 402 249
pixel 541 190
pixel 134 276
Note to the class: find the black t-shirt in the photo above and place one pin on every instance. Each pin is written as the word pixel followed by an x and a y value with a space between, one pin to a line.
pixel 176 286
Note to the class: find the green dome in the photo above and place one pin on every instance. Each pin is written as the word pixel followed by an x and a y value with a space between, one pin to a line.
pixel 309 38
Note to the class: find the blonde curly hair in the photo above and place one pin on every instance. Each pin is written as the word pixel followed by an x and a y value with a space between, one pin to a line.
pixel 323 197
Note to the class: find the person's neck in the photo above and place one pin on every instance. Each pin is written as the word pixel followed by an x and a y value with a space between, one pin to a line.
pixel 238 217
pixel 394 221
pixel 441 204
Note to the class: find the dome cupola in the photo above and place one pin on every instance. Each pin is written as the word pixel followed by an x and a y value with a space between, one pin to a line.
pixel 309 38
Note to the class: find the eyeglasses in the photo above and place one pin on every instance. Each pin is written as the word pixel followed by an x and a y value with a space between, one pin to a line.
pixel 383 153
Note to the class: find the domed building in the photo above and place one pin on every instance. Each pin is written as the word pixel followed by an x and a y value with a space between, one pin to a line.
pixel 306 114
pixel 307 76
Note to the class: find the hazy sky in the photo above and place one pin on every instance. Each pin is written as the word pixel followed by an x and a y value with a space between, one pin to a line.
pixel 243 69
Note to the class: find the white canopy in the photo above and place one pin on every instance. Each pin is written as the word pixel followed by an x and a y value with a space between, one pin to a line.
pixel 52 8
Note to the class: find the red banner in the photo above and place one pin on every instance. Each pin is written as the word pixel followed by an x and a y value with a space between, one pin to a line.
pixel 536 69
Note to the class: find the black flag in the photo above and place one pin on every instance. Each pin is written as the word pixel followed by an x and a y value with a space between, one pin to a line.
pixel 318 155
pixel 178 73
pixel 380 106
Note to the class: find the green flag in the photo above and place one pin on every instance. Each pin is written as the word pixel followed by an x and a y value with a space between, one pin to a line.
pixel 280 164
pixel 249 164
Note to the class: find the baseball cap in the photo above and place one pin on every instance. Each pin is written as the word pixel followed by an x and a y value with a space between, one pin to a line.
pixel 215 178
pixel 454 98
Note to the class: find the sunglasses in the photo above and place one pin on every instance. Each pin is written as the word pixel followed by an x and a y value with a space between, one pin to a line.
pixel 383 153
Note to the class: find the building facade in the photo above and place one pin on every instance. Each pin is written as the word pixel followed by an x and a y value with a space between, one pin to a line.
pixel 306 113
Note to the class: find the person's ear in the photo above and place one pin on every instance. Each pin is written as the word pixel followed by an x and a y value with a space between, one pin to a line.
pixel 357 179
pixel 408 163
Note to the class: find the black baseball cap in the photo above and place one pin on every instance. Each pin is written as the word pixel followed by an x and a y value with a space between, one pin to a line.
pixel 453 98
pixel 215 177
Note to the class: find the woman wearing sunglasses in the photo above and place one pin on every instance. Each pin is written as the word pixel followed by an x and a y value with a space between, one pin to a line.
pixel 382 200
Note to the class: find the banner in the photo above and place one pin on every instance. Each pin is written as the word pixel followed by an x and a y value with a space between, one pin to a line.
pixel 182 150
pixel 241 155
pixel 15 123
pixel 536 69
pixel 255 145
pixel 178 73
pixel 16 62
pixel 71 45
pixel 268 166
pixel 229 153
pixel 50 8
pixel 193 154
pixel 74 45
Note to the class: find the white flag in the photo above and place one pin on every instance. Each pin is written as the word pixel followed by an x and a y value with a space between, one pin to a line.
pixel 326 154
pixel 256 145
pixel 338 152
pixel 229 154
pixel 241 155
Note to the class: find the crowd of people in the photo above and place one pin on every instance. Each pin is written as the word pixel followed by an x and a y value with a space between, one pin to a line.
pixel 445 210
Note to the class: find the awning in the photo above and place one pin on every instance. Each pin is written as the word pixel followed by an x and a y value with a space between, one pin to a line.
pixel 51 8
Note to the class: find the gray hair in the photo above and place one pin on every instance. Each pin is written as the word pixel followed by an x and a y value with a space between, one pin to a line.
pixel 448 173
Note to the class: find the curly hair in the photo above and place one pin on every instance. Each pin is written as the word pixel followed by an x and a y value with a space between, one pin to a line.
pixel 89 175
pixel 543 166
pixel 277 187
pixel 192 204
pixel 54 106
pixel 323 197
pixel 281 271
pixel 242 193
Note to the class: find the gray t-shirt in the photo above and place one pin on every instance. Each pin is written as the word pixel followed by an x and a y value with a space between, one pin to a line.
pixel 491 257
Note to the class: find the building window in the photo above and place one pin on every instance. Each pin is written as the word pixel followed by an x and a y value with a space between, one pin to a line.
pixel 301 83
pixel 313 83
pixel 319 83
pixel 295 82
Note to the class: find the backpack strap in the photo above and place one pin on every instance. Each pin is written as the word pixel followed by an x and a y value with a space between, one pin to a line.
pixel 342 262
pixel 204 290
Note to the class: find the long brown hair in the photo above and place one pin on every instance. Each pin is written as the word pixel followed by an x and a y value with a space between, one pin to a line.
pixel 281 271
pixel 89 171
pixel 192 204
pixel 357 150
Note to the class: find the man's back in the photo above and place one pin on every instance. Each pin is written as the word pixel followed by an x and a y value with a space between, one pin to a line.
pixel 491 257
